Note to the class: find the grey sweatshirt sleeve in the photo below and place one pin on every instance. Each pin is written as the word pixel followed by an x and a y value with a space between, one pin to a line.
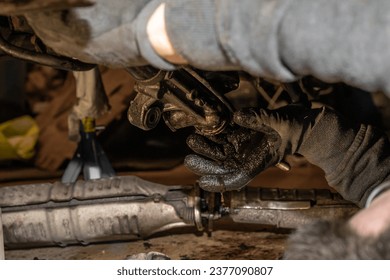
pixel 334 40
pixel 355 161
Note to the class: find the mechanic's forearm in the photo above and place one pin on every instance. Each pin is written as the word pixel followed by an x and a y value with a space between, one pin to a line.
pixel 354 160
pixel 331 39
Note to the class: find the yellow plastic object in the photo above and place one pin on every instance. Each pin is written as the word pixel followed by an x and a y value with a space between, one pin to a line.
pixel 18 138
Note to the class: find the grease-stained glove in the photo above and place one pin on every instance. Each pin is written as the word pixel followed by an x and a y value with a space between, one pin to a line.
pixel 229 161
pixel 290 125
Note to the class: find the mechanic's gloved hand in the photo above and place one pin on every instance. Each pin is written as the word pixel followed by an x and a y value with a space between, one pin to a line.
pixel 291 125
pixel 237 157
pixel 229 161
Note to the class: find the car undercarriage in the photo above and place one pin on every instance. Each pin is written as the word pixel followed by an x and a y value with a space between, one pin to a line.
pixel 115 206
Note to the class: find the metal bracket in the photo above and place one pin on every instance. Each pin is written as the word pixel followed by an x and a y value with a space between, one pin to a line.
pixel 182 97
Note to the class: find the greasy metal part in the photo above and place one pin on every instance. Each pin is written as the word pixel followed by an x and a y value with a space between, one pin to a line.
pixel 62 63
pixel 214 211
pixel 287 208
pixel 197 213
pixel 182 97
pixel 144 112
pixel 21 7
pixel 210 89
pixel 121 208
pixel 2 255
pixel 178 119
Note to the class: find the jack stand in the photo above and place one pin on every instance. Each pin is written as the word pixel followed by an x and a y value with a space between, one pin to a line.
pixel 89 157
pixel 2 254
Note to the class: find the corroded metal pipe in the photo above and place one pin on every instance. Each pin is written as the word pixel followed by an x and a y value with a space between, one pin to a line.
pixel 288 208
pixel 129 208
pixel 120 208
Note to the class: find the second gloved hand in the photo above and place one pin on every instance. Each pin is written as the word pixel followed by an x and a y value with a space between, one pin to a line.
pixel 229 161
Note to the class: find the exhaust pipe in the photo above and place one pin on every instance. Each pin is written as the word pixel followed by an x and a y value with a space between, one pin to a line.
pixel 129 208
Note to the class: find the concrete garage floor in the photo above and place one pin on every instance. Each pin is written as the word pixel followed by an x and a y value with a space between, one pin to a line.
pixel 228 241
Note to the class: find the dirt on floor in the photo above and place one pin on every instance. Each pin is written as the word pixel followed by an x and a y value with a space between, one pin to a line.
pixel 221 245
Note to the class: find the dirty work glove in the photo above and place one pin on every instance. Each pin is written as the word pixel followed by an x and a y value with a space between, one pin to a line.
pixel 229 161
pixel 235 158
pixel 290 125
